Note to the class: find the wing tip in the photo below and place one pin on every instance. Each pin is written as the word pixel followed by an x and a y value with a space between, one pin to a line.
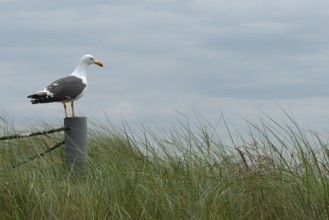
pixel 47 99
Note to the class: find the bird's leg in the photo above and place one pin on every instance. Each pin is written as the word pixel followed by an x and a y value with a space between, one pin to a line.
pixel 65 109
pixel 72 106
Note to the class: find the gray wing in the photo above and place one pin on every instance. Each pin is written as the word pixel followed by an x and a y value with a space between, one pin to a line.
pixel 68 87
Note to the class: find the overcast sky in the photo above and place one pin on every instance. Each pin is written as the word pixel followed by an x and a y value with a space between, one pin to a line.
pixel 238 57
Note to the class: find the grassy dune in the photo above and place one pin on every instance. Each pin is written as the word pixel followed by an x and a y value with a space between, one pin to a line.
pixel 177 173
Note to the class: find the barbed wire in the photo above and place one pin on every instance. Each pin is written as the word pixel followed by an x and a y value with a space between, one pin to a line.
pixel 39 155
pixel 31 134
pixel 25 135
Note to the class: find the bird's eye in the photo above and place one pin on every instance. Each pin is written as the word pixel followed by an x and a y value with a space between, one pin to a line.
pixel 91 58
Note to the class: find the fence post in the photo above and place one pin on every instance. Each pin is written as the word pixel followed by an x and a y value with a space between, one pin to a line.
pixel 76 149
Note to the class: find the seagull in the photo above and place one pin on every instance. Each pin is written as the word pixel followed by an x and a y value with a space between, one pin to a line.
pixel 67 89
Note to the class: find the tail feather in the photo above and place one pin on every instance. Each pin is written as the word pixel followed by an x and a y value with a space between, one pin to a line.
pixel 34 96
pixel 46 99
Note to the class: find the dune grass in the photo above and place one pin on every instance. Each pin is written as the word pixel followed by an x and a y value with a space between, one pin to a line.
pixel 279 171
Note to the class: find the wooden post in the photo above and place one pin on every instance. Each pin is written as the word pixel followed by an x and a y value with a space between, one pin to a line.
pixel 76 148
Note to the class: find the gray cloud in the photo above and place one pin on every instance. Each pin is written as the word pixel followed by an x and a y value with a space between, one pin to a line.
pixel 168 55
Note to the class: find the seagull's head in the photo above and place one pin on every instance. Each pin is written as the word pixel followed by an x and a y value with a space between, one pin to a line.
pixel 89 59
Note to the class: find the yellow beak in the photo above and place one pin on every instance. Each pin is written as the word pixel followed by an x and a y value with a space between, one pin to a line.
pixel 99 63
